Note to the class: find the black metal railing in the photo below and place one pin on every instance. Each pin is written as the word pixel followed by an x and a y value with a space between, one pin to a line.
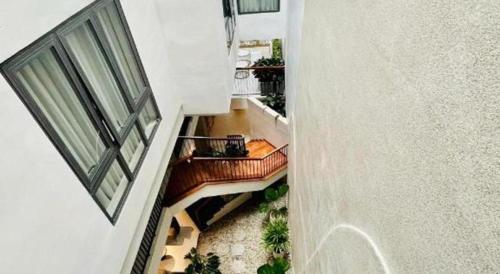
pixel 241 168
pixel 246 84
pixel 198 146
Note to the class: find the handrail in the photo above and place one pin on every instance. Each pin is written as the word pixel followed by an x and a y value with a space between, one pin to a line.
pixel 240 158
pixel 194 172
pixel 231 146
pixel 212 138
pixel 260 67
pixel 246 83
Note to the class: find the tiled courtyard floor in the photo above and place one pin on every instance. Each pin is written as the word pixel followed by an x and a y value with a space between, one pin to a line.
pixel 237 233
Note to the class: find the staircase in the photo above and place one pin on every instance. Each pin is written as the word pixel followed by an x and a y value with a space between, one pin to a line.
pixel 256 160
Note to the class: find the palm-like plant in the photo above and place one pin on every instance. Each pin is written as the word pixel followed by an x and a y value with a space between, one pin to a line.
pixel 202 264
pixel 276 235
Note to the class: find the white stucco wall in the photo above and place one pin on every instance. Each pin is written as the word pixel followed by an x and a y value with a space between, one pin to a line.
pixel 49 223
pixel 263 26
pixel 202 69
pixel 396 142
pixel 291 50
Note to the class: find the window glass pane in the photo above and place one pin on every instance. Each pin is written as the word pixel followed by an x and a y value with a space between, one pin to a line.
pixel 251 6
pixel 90 57
pixel 132 148
pixel 45 81
pixel 148 117
pixel 112 188
pixel 120 46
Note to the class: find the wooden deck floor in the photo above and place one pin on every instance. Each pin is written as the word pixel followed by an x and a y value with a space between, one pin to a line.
pixel 259 148
pixel 189 175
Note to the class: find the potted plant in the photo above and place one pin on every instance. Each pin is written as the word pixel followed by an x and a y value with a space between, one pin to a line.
pixel 271 195
pixel 271 79
pixel 275 101
pixel 200 264
pixel 277 266
pixel 276 236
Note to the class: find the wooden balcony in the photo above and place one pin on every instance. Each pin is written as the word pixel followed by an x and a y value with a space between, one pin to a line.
pixel 191 173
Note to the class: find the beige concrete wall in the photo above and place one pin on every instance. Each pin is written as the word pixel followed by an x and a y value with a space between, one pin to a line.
pixel 233 123
pixel 254 120
pixel 396 138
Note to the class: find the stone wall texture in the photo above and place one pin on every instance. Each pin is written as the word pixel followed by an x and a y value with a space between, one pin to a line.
pixel 395 135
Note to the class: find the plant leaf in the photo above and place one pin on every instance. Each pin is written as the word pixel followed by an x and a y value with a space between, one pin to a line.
pixel 271 194
pixel 265 269
pixel 264 207
pixel 282 190
pixel 281 264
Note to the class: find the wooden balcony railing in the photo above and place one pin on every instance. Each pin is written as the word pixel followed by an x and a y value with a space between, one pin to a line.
pixel 192 173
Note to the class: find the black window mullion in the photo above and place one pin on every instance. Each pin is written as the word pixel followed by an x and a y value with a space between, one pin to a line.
pixel 110 159
pixel 142 133
pixel 148 96
pixel 126 27
pixel 145 143
pixel 119 136
pixel 89 104
pixel 108 52
pixel 124 165
pixel 104 168
pixel 155 105
pixel 151 97
pixel 141 102
pixel 34 109
pixel 113 156
pixel 96 116
pixel 82 76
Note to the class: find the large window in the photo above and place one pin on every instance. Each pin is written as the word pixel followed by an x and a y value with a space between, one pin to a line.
pixel 85 85
pixel 258 6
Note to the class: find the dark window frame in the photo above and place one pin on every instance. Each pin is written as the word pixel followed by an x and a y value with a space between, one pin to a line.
pixel 257 12
pixel 112 140
pixel 229 21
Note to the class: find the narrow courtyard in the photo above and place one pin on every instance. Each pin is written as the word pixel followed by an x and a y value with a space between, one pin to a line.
pixel 236 239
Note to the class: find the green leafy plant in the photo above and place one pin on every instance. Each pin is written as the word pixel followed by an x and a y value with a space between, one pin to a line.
pixel 276 101
pixel 277 49
pixel 275 237
pixel 264 207
pixel 269 74
pixel 271 195
pixel 278 266
pixel 282 211
pixel 200 264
